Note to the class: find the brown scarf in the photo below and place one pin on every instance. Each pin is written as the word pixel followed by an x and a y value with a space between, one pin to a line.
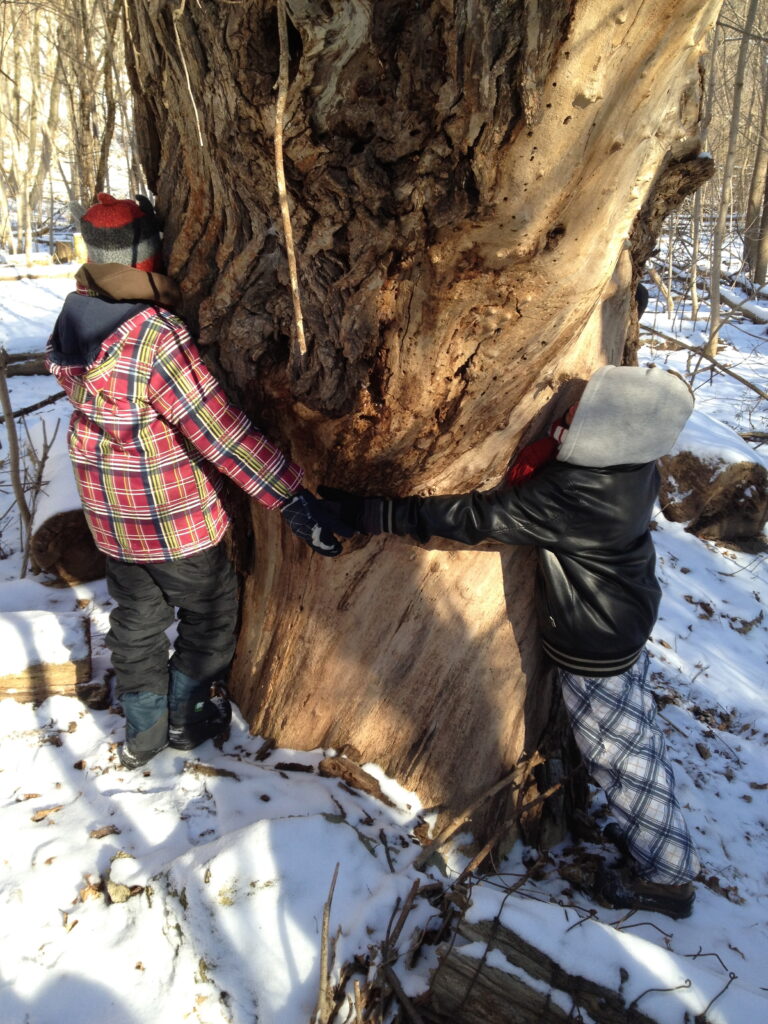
pixel 119 283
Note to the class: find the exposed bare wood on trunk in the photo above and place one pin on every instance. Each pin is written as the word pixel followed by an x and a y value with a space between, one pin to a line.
pixel 463 181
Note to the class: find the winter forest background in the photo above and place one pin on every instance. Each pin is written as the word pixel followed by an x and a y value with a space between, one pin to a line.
pixel 293 881
pixel 68 134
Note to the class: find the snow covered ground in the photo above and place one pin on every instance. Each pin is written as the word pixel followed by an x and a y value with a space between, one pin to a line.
pixel 194 890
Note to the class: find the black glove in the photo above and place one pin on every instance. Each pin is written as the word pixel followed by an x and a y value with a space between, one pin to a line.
pixel 315 523
pixel 361 515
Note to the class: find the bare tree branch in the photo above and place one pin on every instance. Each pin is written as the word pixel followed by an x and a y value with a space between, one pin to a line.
pixel 710 359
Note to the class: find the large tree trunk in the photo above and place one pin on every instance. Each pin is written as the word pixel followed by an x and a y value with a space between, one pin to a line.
pixel 463 179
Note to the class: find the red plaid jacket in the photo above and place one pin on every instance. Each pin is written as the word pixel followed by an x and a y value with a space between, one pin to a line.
pixel 152 430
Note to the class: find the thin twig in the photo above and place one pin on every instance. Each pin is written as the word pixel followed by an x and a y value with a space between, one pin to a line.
pixel 282 95
pixel 675 988
pixel 711 359
pixel 701 1018
pixel 389 955
pixel 523 768
pixel 700 952
pixel 177 14
pixel 672 725
pixel 394 934
pixel 482 961
pixel 620 926
pixel 14 462
pixel 385 844
pixel 499 832
pixel 410 1010
pixel 359 1005
pixel 38 405
pixel 38 462
pixel 321 1013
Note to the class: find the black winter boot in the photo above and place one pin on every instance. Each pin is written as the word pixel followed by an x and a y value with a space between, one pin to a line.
pixel 621 888
pixel 132 759
pixel 210 718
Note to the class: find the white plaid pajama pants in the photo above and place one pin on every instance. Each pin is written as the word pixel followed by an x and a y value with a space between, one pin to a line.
pixel 614 723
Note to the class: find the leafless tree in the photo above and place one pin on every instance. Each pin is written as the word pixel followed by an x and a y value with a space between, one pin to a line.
pixel 728 166
pixel 63 96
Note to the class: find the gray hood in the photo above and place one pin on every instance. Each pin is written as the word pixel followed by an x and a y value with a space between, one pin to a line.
pixel 627 415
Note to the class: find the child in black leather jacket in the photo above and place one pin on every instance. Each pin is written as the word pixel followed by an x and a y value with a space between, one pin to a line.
pixel 586 506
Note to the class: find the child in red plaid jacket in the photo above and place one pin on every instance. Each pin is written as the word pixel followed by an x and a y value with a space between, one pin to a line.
pixel 151 433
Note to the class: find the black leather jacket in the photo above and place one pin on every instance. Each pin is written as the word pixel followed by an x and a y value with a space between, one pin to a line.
pixel 598 595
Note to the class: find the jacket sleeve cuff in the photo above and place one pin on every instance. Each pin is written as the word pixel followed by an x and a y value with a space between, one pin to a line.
pixel 376 515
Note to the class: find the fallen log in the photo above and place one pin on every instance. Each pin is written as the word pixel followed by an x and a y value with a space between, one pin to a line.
pixel 747 307
pixel 34 367
pixel 44 653
pixel 517 960
pixel 527 987
pixel 21 357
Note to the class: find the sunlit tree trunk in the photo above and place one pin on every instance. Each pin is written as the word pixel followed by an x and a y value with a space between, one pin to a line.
pixel 727 172
pixel 758 181
pixel 709 94
pixel 109 76
pixel 761 249
pixel 464 179
pixel 6 234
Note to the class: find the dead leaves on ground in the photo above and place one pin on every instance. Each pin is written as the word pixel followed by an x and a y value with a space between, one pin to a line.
pixel 44 812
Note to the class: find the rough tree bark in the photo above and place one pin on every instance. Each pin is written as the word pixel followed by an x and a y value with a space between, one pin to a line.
pixel 464 178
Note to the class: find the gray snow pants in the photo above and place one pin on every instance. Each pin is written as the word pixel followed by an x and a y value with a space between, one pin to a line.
pixel 203 587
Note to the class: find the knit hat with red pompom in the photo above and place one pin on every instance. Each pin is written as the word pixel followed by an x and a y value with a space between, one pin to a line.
pixel 122 231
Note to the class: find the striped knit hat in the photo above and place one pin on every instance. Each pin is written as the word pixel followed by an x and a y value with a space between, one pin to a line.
pixel 122 231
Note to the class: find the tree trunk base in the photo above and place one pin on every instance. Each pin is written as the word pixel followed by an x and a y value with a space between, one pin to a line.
pixel 426 660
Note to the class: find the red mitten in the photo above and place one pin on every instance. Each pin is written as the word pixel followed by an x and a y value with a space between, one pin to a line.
pixel 537 454
pixel 531 458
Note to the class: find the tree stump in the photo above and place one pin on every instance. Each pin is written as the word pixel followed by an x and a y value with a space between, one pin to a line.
pixel 61 543
pixel 714 484
pixel 63 546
